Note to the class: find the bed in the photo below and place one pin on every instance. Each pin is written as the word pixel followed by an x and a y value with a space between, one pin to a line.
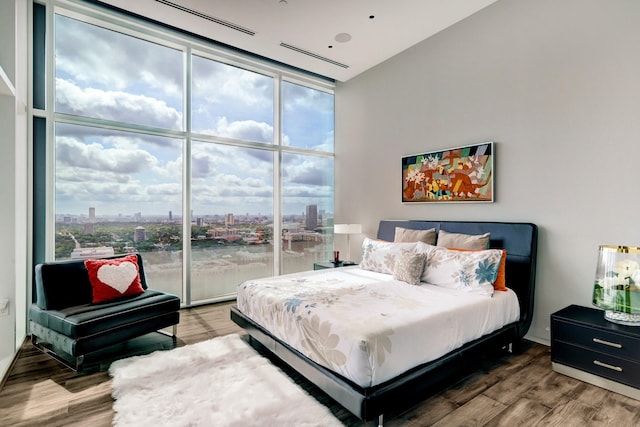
pixel 366 377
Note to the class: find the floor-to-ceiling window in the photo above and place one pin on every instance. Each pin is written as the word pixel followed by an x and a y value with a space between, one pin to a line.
pixel 117 165
pixel 216 168
pixel 307 178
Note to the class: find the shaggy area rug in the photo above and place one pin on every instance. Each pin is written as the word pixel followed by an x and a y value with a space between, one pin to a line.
pixel 219 382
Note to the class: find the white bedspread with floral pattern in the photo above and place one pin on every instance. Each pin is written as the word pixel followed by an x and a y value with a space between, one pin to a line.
pixel 367 326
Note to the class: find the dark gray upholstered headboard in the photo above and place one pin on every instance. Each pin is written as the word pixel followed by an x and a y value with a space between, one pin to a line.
pixel 518 238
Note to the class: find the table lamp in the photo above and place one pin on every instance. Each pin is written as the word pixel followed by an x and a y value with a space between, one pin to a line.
pixel 348 229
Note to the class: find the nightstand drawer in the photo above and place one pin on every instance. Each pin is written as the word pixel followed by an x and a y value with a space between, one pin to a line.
pixel 597 339
pixel 586 346
pixel 613 368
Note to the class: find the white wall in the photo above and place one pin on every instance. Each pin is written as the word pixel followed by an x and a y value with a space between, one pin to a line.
pixel 13 176
pixel 556 84
pixel 22 205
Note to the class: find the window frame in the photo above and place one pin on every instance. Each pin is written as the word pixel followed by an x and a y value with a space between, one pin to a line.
pixel 189 45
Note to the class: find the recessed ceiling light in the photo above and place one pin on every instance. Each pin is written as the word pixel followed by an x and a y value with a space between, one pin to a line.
pixel 343 37
pixel 371 16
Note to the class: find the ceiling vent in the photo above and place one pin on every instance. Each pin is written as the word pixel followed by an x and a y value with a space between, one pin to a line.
pixel 208 18
pixel 314 55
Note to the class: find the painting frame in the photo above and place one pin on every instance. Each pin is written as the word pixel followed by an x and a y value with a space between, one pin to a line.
pixel 462 174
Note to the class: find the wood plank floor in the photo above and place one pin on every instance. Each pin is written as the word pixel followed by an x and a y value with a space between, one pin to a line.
pixel 515 390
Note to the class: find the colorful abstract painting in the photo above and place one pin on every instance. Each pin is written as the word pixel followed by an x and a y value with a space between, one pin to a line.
pixel 463 174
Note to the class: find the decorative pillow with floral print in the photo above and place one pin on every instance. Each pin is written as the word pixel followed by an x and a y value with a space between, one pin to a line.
pixel 472 271
pixel 380 256
pixel 409 267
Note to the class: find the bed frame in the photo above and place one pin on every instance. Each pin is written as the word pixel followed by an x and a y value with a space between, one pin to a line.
pixel 413 386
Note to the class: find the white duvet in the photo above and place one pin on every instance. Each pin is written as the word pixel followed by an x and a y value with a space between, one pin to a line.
pixel 366 326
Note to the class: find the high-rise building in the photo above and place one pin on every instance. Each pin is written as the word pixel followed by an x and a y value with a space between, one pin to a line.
pixel 229 219
pixel 311 217
pixel 88 228
pixel 140 234
pixel 170 216
pixel 92 215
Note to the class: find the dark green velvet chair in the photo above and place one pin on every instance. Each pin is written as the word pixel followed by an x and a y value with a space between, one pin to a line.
pixel 64 322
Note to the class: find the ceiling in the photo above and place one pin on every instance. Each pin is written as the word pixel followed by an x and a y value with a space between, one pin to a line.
pixel 333 38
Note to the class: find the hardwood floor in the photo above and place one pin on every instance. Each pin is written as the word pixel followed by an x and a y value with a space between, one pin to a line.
pixel 515 390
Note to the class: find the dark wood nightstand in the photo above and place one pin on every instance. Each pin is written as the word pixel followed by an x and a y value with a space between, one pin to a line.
pixel 330 264
pixel 586 346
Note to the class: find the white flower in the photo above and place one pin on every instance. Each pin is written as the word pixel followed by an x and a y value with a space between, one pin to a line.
pixel 626 268
pixel 411 175
pixel 636 277
pixel 612 282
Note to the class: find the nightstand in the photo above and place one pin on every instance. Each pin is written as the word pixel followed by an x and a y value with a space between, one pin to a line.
pixel 329 264
pixel 586 346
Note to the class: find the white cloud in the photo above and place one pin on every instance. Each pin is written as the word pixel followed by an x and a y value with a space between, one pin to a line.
pixel 306 171
pixel 66 175
pixel 248 130
pixel 115 105
pixel 210 160
pixel 165 189
pixel 295 97
pixel 95 157
pixel 224 176
pixel 120 179
pixel 219 83
pixel 108 75
pixel 97 57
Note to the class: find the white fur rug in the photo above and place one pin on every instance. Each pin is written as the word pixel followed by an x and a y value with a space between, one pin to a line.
pixel 220 382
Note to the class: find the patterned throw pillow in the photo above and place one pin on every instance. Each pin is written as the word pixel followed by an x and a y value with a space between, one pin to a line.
pixel 501 281
pixel 409 267
pixel 380 256
pixel 474 271
pixel 114 278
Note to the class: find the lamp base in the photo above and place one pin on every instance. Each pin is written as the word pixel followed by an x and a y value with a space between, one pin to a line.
pixel 621 318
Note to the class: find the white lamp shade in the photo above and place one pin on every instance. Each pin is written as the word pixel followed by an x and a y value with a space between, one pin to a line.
pixel 347 228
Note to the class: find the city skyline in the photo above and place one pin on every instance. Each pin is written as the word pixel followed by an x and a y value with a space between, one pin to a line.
pixel 93 215
pixel 90 234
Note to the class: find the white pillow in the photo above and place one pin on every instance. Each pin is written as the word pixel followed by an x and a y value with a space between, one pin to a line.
pixel 380 256
pixel 471 271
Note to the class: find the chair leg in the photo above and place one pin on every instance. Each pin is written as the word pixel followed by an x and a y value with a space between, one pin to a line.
pixel 79 362
pixel 174 331
pixel 75 366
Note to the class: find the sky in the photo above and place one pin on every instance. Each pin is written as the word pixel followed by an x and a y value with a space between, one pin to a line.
pixel 104 74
